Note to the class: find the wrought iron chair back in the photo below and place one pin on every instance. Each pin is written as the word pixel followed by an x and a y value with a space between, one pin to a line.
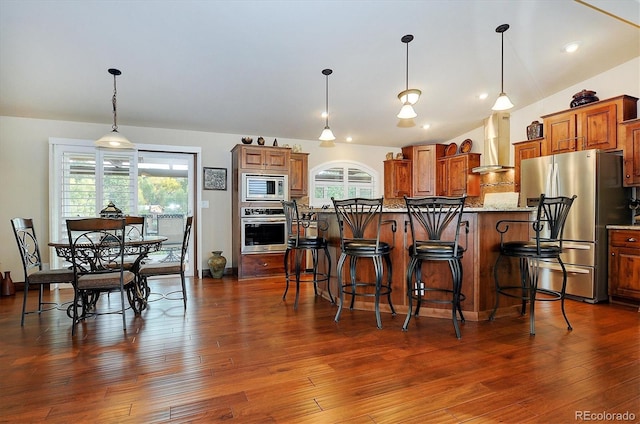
pixel 355 216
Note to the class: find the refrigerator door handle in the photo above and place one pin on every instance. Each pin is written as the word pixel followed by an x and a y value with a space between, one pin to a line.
pixel 570 269
pixel 549 172
pixel 554 180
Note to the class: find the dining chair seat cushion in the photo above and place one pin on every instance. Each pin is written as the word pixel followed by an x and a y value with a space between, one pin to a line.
pixel 528 248
pixel 107 280
pixel 306 243
pixel 436 249
pixel 161 268
pixel 51 276
pixel 366 247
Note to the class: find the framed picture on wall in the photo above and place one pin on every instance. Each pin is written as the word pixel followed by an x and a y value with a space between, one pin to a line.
pixel 215 178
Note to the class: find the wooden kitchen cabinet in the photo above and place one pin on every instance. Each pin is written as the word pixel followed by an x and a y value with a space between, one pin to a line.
pixel 397 178
pixel 264 158
pixel 299 175
pixel 525 150
pixel 454 176
pixel 631 167
pixel 624 265
pixel 591 126
pixel 423 167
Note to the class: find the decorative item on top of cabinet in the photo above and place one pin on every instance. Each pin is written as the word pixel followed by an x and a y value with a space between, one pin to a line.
pixel 631 164
pixel 591 126
pixel 423 167
pixel 624 264
pixel 583 97
pixel 397 178
pixel 534 130
pixel 525 150
pixel 265 158
pixel 299 175
pixel 454 176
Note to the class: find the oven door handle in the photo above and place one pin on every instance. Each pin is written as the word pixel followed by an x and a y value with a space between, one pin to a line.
pixel 262 220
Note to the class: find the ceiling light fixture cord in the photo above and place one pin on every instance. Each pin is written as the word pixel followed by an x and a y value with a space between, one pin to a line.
pixel 114 72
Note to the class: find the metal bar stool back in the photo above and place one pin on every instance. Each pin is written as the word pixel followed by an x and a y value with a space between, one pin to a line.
pixel 435 231
pixel 360 222
pixel 303 235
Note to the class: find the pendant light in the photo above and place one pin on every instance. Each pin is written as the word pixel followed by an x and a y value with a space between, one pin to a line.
pixel 114 140
pixel 503 102
pixel 327 136
pixel 408 97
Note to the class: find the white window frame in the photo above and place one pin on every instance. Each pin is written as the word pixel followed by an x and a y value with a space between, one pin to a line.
pixel 341 164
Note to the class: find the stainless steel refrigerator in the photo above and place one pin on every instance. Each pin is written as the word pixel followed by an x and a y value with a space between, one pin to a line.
pixel 595 177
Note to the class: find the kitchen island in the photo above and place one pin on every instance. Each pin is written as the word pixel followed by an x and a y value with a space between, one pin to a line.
pixel 482 247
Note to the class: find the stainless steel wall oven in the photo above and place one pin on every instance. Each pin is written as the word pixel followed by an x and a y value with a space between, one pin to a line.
pixel 263 230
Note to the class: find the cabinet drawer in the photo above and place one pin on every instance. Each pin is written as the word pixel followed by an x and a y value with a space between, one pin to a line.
pixel 262 265
pixel 624 238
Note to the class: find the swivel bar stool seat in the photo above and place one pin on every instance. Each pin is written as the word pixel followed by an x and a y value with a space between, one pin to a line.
pixel 545 245
pixel 435 231
pixel 360 221
pixel 301 239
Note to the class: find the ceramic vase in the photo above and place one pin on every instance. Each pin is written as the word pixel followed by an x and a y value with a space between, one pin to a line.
pixel 8 289
pixel 217 263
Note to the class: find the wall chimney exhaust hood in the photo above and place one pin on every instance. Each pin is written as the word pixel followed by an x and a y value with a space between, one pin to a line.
pixel 497 144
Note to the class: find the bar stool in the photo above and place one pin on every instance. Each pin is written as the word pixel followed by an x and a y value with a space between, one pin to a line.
pixel 360 221
pixel 545 245
pixel 432 240
pixel 300 239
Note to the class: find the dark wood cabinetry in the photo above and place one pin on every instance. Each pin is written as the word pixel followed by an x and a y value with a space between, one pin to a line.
pixel 624 265
pixel 264 158
pixel 423 167
pixel 397 178
pixel 592 126
pixel 525 150
pixel 631 167
pixel 298 175
pixel 454 175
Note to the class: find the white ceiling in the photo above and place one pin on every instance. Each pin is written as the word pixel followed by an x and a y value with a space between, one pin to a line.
pixel 254 67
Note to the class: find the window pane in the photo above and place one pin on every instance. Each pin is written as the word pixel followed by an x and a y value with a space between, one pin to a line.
pixel 331 174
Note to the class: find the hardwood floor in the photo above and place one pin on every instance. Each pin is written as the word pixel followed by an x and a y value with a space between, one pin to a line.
pixel 240 354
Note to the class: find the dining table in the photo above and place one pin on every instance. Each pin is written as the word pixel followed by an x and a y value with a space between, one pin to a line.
pixel 136 250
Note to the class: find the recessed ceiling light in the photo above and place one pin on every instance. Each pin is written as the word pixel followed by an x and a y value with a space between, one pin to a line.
pixel 426 126
pixel 571 47
pixel 349 139
pixel 483 96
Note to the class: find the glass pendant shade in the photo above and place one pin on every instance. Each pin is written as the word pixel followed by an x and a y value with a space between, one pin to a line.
pixel 327 135
pixel 407 112
pixel 411 95
pixel 502 103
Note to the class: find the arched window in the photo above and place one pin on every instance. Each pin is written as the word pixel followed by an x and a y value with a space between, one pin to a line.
pixel 342 180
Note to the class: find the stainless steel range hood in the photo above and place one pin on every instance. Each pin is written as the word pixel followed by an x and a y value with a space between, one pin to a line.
pixel 497 144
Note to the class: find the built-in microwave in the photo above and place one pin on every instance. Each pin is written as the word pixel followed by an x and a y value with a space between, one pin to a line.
pixel 264 187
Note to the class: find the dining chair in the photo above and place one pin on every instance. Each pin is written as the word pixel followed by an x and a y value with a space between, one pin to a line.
pixel 172 227
pixel 97 255
pixel 435 224
pixel 303 236
pixel 29 249
pixel 547 227
pixel 153 269
pixel 360 223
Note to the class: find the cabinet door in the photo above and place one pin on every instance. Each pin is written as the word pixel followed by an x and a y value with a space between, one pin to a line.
pixel 457 176
pixel 397 178
pixel 624 273
pixel 252 158
pixel 632 154
pixel 561 133
pixel 525 150
pixel 442 177
pixel 276 159
pixel 298 174
pixel 424 171
pixel 598 129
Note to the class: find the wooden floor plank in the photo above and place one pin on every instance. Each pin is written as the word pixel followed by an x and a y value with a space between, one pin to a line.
pixel 239 353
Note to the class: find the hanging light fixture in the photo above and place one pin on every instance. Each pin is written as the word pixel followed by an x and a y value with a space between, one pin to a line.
pixel 503 102
pixel 327 136
pixel 114 139
pixel 408 97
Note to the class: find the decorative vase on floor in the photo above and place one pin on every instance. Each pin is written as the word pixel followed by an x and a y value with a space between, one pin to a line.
pixel 216 263
pixel 8 289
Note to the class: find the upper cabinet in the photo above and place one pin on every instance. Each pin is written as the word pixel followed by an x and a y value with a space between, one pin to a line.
pixel 298 175
pixel 592 126
pixel 631 167
pixel 397 178
pixel 264 158
pixel 525 150
pixel 454 175
pixel 424 160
